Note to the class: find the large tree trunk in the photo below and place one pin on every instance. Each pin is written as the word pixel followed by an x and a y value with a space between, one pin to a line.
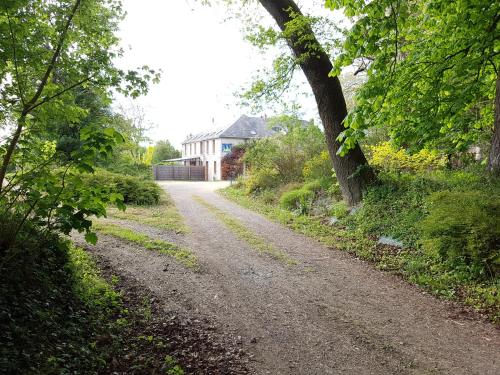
pixel 494 156
pixel 352 169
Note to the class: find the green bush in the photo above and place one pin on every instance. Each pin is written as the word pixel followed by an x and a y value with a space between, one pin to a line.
pixel 319 166
pixel 134 190
pixel 463 229
pixel 313 186
pixel 297 200
pixel 261 179
pixel 339 209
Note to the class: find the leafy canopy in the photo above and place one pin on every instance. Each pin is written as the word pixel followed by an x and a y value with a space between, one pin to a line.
pixel 431 65
pixel 56 82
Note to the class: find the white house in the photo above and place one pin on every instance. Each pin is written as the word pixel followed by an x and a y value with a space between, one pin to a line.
pixel 207 149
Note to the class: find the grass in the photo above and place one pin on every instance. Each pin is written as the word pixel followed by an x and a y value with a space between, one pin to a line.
pixel 183 256
pixel 246 235
pixel 164 215
pixel 410 262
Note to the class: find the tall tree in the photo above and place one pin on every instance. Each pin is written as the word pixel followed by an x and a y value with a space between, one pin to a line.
pixel 350 165
pixel 164 150
pixel 56 80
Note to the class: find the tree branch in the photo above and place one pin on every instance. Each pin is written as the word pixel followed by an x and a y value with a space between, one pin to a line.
pixel 28 106
pixel 53 60
pixel 14 51
pixel 49 98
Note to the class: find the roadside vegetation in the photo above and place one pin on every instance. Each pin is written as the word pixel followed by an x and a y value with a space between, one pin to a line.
pixel 435 224
pixel 59 315
pixel 243 233
pixel 65 156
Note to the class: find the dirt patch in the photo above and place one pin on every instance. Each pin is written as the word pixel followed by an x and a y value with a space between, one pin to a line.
pixel 156 332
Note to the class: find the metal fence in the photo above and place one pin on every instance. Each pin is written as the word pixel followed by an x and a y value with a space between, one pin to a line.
pixel 179 172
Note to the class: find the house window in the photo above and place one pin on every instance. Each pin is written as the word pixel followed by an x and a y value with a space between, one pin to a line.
pixel 213 146
pixel 215 167
pixel 226 147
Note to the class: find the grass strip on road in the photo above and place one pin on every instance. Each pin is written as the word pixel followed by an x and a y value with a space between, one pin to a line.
pixel 245 234
pixel 183 256
pixel 163 216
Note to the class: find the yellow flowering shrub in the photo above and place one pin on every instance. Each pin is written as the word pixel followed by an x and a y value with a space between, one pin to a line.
pixel 318 167
pixel 384 156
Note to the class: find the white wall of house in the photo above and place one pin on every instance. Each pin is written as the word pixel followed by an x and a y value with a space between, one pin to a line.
pixel 210 153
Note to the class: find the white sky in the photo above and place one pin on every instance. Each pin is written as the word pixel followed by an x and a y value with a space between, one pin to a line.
pixel 204 60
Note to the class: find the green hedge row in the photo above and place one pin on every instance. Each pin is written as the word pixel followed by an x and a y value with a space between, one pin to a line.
pixel 134 189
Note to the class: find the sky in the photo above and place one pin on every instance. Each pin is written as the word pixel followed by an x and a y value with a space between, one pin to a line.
pixel 204 60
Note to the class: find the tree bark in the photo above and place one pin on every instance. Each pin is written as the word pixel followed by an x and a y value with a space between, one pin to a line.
pixel 352 169
pixel 494 156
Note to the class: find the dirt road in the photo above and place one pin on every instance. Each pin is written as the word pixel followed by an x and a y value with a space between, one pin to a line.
pixel 328 314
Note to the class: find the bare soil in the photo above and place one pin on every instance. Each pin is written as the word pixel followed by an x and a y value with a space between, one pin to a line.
pixel 329 314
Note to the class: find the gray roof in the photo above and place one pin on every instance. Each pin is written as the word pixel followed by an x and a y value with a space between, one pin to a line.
pixel 245 127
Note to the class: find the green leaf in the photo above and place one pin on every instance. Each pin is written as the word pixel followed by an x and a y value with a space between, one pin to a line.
pixel 91 237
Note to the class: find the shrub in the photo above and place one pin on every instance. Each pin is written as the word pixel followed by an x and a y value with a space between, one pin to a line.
pixel 297 200
pixel 463 228
pixel 268 196
pixel 317 167
pixel 261 179
pixel 313 186
pixel 134 190
pixel 287 187
pixel 387 158
pixel 339 209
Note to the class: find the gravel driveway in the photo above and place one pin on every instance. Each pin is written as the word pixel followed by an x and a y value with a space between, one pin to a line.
pixel 328 314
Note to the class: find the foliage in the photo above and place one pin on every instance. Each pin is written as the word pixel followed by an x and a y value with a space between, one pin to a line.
pixel 398 203
pixel 164 150
pixel 297 200
pixel 386 157
pixel 431 65
pixel 339 210
pixel 463 229
pixel 271 84
pixel 261 179
pixel 414 265
pixel 232 163
pixel 57 198
pixel 54 308
pixel 132 190
pixel 318 166
pixel 56 78
pixel 285 153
